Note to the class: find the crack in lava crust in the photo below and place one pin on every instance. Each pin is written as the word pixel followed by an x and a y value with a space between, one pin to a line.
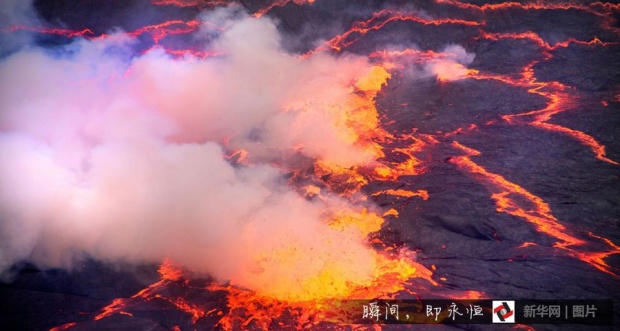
pixel 396 273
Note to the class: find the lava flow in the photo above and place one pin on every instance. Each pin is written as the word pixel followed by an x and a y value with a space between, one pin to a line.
pixel 559 99
pixel 379 20
pixel 280 3
pixel 278 186
pixel 507 196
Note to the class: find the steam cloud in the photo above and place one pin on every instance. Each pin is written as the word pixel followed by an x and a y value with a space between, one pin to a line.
pixel 121 157
pixel 453 65
pixel 16 13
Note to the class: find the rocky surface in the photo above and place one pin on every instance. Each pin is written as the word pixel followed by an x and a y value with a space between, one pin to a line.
pixel 458 229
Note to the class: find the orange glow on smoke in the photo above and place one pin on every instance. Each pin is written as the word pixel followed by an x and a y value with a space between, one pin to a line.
pixel 361 274
pixel 335 277
pixel 357 123
pixel 418 55
pixel 311 190
pixel 377 273
pixel 247 308
pixel 449 71
pixel 441 64
pixel 355 120
pixel 354 273
pixel 170 271
pixel 239 156
pixel 391 274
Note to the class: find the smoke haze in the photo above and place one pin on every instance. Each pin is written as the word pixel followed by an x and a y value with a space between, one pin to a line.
pixel 121 157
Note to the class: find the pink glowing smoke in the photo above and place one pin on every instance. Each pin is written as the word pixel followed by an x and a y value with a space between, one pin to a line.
pixel 121 157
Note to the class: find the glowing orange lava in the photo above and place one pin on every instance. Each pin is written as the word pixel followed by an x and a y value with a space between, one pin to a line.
pixel 178 3
pixel 63 327
pixel 358 123
pixel 87 33
pixel 404 193
pixel 378 21
pixel 555 92
pixel 508 197
pixel 522 5
pixel 161 30
pixel 280 3
pixel 169 273
pixel 191 3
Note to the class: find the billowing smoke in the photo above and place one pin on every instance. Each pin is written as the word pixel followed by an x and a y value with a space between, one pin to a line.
pixel 15 13
pixel 449 64
pixel 452 65
pixel 122 157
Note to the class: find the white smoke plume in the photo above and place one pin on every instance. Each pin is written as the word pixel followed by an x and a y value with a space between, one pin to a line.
pixel 449 64
pixel 16 13
pixel 452 66
pixel 120 157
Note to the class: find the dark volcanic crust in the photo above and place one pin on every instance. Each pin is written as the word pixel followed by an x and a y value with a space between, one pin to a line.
pixel 458 229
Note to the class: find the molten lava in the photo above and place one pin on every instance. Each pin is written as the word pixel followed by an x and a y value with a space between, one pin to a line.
pixel 508 197
pixel 381 19
pixel 367 267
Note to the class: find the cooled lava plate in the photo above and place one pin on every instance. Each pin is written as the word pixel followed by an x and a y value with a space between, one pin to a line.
pixel 245 165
